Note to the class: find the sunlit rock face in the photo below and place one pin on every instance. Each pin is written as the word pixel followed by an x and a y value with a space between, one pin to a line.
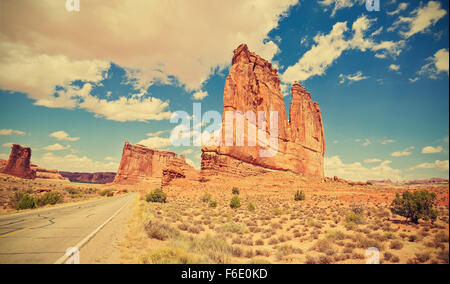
pixel 253 86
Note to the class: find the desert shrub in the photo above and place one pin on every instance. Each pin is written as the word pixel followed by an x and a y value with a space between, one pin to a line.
pixel 336 235
pixel 251 207
pixel 27 202
pixel 51 198
pixel 233 228
pixel 157 196
pixel 213 203
pixel 441 237
pixel 235 191
pixel 160 231
pixel 18 195
pixel 354 218
pixel 422 257
pixel 169 256
pixel 415 206
pixel 443 256
pixel 235 202
pixel 206 198
pixel 397 245
pixel 299 195
pixel 105 192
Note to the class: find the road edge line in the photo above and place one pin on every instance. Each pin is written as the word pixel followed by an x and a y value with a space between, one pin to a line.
pixel 84 241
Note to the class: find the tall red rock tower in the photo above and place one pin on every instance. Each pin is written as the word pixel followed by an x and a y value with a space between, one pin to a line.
pixel 253 85
pixel 19 163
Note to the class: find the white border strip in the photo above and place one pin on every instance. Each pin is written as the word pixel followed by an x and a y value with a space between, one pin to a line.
pixel 84 241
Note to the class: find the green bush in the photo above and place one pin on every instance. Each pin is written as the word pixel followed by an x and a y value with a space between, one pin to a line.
pixel 415 206
pixel 251 207
pixel 235 191
pixel 27 202
pixel 235 202
pixel 51 198
pixel 157 196
pixel 299 195
pixel 206 198
pixel 106 192
pixel 213 203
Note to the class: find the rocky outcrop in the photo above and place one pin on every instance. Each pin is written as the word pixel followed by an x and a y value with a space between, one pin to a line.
pixel 19 163
pixel 140 164
pixel 47 174
pixel 253 85
pixel 178 169
pixel 101 178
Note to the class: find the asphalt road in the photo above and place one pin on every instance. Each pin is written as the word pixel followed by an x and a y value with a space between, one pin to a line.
pixel 43 235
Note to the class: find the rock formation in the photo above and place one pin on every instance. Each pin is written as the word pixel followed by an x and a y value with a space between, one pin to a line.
pixel 47 174
pixel 19 163
pixel 178 169
pixel 253 85
pixel 102 178
pixel 140 164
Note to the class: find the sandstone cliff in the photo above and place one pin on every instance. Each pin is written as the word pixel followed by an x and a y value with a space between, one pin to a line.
pixel 19 163
pixel 140 164
pixel 253 85
pixel 47 174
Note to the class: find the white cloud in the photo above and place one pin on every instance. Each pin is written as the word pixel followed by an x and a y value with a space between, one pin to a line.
pixel 432 150
pixel 328 48
pixel 4 156
pixel 413 80
pixel 157 133
pixel 110 159
pixel 339 4
pixel 394 67
pixel 403 153
pixel 401 7
pixel 8 144
pixel 367 142
pixel 356 171
pixel 62 135
pixel 438 63
pixel 420 20
pixel 156 142
pixel 439 165
pixel 206 31
pixel 352 78
pixel 73 163
pixel 372 161
pixel 187 152
pixel 387 141
pixel 56 147
pixel 200 95
pixel 335 142
pixel 139 107
pixel 11 132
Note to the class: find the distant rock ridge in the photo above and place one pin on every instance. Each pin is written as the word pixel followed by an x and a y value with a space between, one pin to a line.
pixel 101 177
pixel 140 164
pixel 253 85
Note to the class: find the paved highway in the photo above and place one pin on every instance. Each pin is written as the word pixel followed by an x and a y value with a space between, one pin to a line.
pixel 43 235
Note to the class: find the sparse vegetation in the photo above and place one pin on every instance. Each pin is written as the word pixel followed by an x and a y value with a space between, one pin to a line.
pixel 415 206
pixel 27 202
pixel 49 198
pixel 157 196
pixel 299 195
pixel 235 202
pixel 235 191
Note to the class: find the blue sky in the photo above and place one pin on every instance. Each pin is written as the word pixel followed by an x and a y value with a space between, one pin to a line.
pixel 75 85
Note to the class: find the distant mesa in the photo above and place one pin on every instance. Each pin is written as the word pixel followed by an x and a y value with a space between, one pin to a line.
pixel 101 177
pixel 141 164
pixel 19 165
pixel 253 85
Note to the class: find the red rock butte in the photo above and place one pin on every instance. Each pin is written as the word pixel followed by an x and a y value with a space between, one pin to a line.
pixel 19 163
pixel 140 164
pixel 253 85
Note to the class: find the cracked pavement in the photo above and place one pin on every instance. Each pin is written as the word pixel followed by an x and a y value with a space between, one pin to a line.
pixel 43 235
